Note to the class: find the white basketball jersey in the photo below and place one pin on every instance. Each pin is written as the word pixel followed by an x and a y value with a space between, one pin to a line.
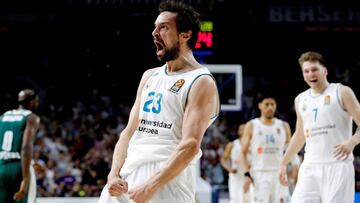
pixel 326 124
pixel 163 101
pixel 267 144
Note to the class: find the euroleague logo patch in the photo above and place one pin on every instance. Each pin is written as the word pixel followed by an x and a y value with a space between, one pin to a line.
pixel 177 86
pixel 327 100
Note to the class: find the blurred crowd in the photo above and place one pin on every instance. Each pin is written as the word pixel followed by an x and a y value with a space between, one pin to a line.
pixel 75 145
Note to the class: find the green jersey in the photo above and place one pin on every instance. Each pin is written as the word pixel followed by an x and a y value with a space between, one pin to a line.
pixel 12 126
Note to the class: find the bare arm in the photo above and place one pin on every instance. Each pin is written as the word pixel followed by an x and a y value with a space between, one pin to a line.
pixel 225 158
pixel 196 120
pixel 116 185
pixel 32 125
pixel 352 106
pixel 296 143
pixel 288 132
pixel 298 139
pixel 245 141
pixel 295 164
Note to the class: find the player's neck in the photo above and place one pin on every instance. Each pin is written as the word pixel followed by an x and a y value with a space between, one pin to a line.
pixel 320 89
pixel 183 63
pixel 21 107
pixel 267 121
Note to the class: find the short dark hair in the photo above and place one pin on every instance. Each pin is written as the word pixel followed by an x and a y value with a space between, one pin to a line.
pixel 187 19
pixel 266 95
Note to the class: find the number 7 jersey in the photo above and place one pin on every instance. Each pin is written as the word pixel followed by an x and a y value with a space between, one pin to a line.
pixel 325 123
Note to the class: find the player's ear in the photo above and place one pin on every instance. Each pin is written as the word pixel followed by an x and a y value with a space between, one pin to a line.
pixel 186 35
pixel 325 71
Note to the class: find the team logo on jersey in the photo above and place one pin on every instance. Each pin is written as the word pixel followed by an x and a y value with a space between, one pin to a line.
pixel 177 86
pixel 260 150
pixel 327 99
pixel 278 131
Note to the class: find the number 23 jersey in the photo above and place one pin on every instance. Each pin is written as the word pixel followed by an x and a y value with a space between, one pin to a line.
pixel 162 107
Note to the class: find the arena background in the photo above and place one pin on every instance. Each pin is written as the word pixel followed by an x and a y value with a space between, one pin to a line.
pixel 70 50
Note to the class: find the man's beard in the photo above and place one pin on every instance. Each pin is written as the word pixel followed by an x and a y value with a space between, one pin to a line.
pixel 269 116
pixel 170 54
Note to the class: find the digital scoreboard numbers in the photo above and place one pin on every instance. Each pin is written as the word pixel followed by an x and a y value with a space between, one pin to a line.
pixel 205 36
pixel 204 44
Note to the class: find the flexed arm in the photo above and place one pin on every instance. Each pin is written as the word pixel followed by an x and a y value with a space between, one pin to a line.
pixel 116 185
pixel 352 106
pixel 198 112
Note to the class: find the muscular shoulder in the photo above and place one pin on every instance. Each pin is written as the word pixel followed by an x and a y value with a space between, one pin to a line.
pixel 149 72
pixel 206 79
pixel 249 124
pixel 348 97
pixel 248 128
pixel 285 123
pixel 345 90
pixel 33 119
pixel 203 86
pixel 146 75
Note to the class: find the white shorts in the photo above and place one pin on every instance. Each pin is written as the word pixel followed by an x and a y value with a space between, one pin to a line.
pixel 267 188
pixel 236 192
pixel 325 183
pixel 179 190
pixel 31 196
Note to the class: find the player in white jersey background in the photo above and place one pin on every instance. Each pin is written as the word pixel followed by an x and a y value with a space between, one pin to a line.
pixel 265 139
pixel 155 157
pixel 229 161
pixel 324 124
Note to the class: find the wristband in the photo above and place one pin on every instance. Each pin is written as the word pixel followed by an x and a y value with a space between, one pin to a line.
pixel 247 174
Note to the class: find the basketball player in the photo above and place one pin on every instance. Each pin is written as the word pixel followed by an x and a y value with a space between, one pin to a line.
pixel 236 173
pixel 155 157
pixel 265 139
pixel 324 122
pixel 17 131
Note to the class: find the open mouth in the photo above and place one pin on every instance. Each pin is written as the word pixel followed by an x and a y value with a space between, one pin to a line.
pixel 159 46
